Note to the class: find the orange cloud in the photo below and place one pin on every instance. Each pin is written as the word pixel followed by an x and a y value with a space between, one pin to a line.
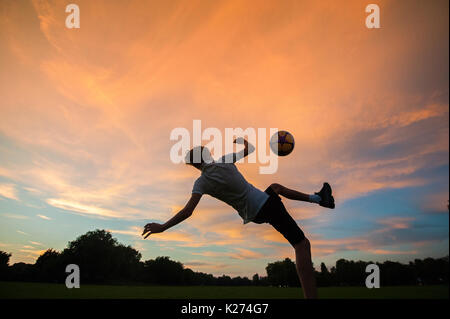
pixel 8 191
pixel 83 209
pixel 169 236
pixel 33 251
pixel 92 130
pixel 43 217
pixel 246 254
pixel 397 222
pixel 237 253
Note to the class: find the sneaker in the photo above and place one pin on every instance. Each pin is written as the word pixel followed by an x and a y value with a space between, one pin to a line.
pixel 325 194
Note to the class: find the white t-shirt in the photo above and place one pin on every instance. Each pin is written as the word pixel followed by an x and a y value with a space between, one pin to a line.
pixel 223 181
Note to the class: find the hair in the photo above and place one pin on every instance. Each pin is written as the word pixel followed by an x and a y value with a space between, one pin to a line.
pixel 198 156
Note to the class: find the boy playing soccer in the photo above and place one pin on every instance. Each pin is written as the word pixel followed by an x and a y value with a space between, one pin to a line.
pixel 223 181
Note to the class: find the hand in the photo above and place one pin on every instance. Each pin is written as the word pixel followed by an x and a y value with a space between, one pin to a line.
pixel 152 228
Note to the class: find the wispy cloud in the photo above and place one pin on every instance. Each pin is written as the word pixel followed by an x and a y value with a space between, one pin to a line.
pixel 169 236
pixel 236 253
pixel 95 144
pixel 83 208
pixel 397 222
pixel 36 243
pixel 246 254
pixel 15 216
pixel 43 217
pixel 33 251
pixel 9 191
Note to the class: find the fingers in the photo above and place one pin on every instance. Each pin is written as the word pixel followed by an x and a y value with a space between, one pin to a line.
pixel 147 227
pixel 147 230
pixel 150 229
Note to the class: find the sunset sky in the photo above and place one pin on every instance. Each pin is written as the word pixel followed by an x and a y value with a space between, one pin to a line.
pixel 86 116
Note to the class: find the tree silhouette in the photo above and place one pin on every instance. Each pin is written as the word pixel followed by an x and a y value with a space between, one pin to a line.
pixel 255 280
pixel 162 270
pixel 4 264
pixel 49 266
pixel 282 273
pixel 101 258
pixel 324 277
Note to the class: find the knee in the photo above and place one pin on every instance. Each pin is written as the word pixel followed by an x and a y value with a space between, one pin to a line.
pixel 304 245
pixel 276 187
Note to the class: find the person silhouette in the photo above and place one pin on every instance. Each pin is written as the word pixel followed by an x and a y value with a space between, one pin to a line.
pixel 222 180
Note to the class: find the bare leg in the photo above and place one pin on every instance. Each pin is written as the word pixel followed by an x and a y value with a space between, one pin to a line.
pixel 305 269
pixel 303 262
pixel 290 193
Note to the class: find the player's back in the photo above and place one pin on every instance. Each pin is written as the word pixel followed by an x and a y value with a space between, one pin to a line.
pixel 224 182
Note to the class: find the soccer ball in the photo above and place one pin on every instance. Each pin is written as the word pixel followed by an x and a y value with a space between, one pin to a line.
pixel 282 143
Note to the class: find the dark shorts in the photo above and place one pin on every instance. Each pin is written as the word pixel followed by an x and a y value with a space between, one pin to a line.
pixel 274 213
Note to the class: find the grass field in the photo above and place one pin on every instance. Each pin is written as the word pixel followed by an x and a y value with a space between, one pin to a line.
pixel 43 290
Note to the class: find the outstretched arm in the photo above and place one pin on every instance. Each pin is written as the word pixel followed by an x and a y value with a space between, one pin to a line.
pixel 153 228
pixel 248 148
pixel 234 157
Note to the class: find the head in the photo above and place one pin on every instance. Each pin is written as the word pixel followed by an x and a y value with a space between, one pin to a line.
pixel 198 156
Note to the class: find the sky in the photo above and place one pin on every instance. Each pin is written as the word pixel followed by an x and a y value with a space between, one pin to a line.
pixel 86 116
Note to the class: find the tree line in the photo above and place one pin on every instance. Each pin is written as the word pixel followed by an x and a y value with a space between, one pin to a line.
pixel 102 259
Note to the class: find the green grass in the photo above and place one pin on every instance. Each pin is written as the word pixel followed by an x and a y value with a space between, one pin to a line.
pixel 44 290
